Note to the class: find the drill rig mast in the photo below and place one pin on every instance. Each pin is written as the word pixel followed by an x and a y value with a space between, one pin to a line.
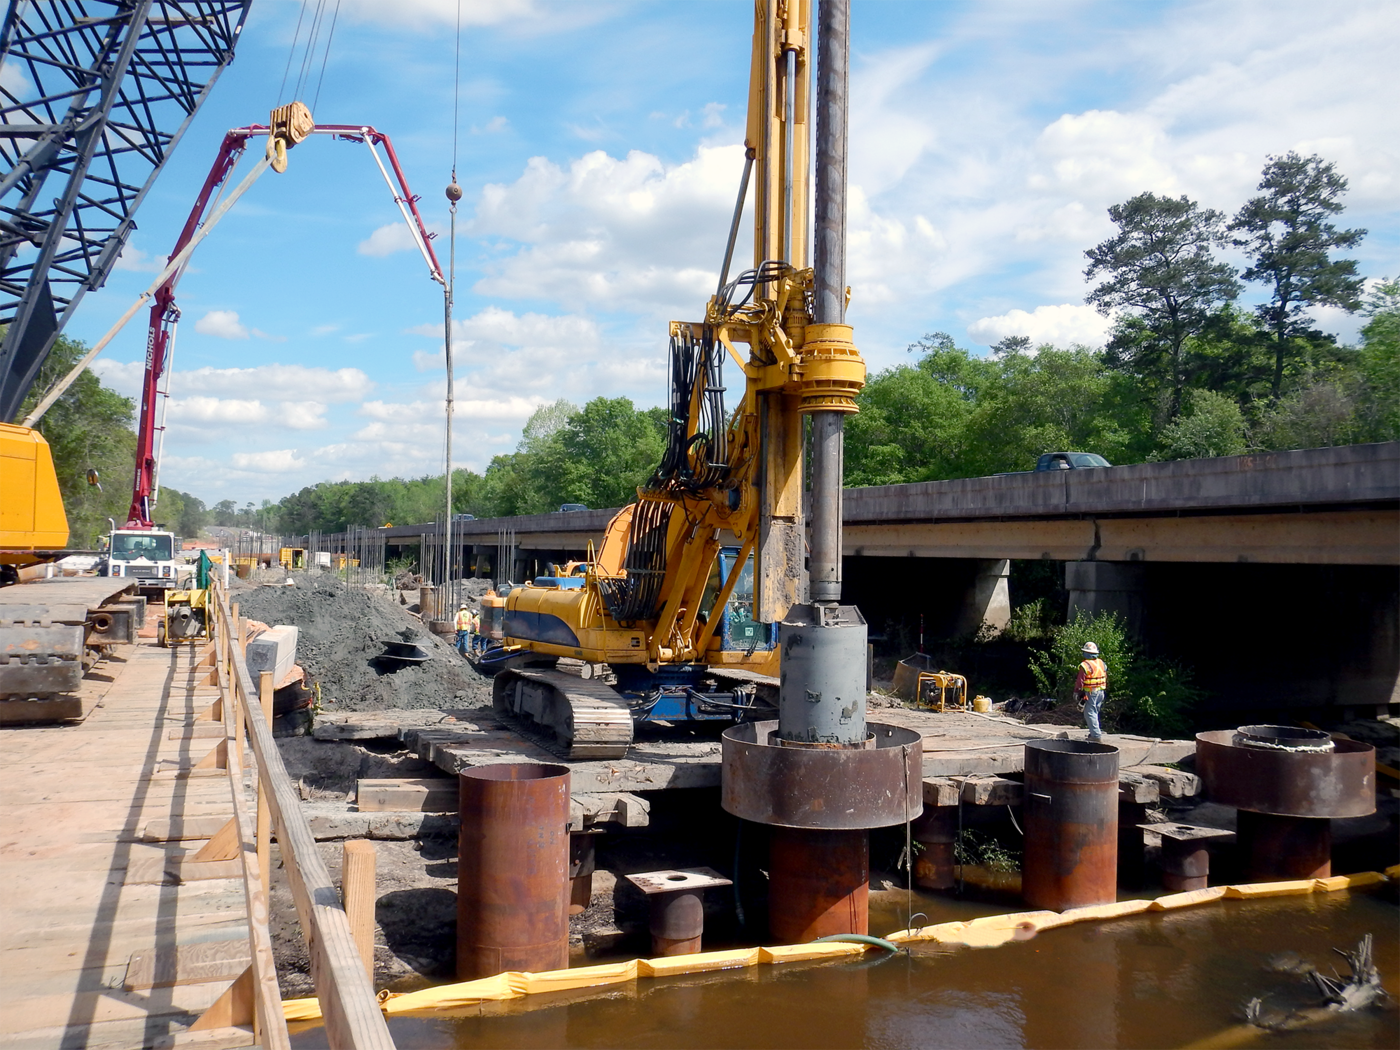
pixel 660 602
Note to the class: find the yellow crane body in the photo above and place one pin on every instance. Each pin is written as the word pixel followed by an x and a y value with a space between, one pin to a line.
pixel 32 519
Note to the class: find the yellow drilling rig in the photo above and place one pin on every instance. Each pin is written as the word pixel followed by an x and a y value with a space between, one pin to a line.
pixel 681 599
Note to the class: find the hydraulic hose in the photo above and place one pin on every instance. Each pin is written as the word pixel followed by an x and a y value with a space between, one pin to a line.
pixel 860 938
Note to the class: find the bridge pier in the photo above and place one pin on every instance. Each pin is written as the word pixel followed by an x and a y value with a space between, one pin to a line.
pixel 987 605
pixel 1098 587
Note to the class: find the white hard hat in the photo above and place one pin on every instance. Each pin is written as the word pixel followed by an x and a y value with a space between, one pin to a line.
pixel 1090 648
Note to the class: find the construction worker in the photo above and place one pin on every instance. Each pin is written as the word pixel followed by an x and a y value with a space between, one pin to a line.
pixel 478 642
pixel 1089 688
pixel 464 628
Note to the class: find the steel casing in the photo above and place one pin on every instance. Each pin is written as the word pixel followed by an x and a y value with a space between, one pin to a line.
pixel 1071 815
pixel 833 789
pixel 1338 783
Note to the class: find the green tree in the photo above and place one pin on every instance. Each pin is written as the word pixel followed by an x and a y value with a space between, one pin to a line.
pixel 912 423
pixel 1163 277
pixel 1379 363
pixel 88 428
pixel 1213 426
pixel 1287 235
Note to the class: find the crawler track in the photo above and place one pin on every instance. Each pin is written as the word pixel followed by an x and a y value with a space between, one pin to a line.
pixel 587 719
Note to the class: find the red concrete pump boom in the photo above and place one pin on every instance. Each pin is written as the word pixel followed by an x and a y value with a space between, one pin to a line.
pixel 165 314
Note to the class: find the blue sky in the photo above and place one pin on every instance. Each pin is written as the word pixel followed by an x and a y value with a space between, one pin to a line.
pixel 599 153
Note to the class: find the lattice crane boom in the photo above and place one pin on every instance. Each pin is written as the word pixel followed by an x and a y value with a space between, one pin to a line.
pixel 108 88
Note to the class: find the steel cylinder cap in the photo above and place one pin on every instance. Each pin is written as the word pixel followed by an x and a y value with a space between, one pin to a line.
pixel 454 192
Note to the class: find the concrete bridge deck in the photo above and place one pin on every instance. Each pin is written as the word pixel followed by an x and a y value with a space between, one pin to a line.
pixel 111 933
pixel 1329 506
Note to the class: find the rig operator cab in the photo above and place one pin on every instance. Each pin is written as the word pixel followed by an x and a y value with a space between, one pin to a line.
pixel 147 555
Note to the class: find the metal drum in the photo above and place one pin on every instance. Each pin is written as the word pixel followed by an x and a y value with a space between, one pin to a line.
pixel 1071 811
pixel 513 869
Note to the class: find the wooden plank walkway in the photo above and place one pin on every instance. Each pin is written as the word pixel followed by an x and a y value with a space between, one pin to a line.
pixel 107 940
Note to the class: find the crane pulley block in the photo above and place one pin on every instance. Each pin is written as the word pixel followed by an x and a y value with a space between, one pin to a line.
pixel 287 125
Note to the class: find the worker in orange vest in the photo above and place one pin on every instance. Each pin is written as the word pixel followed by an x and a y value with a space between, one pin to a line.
pixel 464 628
pixel 1089 688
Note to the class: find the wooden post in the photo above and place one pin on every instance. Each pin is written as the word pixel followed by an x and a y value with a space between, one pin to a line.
pixel 264 813
pixel 357 889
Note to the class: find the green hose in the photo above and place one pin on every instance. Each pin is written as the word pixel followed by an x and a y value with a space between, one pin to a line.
pixel 860 938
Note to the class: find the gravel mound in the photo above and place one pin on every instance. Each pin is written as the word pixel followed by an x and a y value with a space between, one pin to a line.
pixel 343 631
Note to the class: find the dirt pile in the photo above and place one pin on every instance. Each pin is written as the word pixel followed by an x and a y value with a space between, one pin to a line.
pixel 343 631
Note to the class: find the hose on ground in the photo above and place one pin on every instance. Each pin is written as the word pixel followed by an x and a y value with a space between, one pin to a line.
pixel 860 938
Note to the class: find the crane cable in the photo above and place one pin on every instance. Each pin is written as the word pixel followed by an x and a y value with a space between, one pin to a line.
pixel 309 47
pixel 454 194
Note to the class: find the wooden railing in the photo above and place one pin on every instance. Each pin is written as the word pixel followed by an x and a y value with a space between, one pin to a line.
pixel 352 1015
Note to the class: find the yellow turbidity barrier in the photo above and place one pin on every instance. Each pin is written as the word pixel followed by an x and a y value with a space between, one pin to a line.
pixel 989 931
pixel 515 984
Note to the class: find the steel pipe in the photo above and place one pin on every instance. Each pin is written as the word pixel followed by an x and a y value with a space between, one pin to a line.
pixel 1280 847
pixel 935 832
pixel 513 869
pixel 829 205
pixel 818 884
pixel 821 698
pixel 1071 811
pixel 824 561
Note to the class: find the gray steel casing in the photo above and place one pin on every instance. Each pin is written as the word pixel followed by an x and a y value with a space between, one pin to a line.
pixel 821 696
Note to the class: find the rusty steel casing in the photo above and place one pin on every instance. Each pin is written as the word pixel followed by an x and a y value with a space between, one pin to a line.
pixel 1071 816
pixel 936 832
pixel 1280 847
pixel 832 789
pixel 818 884
pixel 1338 783
pixel 513 869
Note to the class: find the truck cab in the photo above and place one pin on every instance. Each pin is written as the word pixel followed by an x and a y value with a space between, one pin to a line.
pixel 147 555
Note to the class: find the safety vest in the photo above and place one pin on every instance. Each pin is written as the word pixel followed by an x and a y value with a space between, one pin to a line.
pixel 464 620
pixel 1095 674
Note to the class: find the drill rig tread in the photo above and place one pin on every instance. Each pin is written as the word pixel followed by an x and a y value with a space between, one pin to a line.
pixel 587 718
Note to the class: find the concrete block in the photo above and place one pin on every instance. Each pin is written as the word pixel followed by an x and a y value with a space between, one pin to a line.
pixel 274 650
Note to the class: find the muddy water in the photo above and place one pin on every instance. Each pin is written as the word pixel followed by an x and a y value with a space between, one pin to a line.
pixel 1171 979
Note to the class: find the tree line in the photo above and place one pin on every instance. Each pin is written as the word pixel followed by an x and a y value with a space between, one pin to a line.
pixel 1186 372
pixel 89 431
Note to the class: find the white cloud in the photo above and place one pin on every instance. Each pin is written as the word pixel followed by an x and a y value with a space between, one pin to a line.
pixel 294 415
pixel 515 410
pixel 133 259
pixel 222 324
pixel 500 355
pixel 283 382
pixel 217 410
pixel 491 127
pixel 1064 325
pixel 277 461
pixel 13 80
pixel 386 240
pixel 605 233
